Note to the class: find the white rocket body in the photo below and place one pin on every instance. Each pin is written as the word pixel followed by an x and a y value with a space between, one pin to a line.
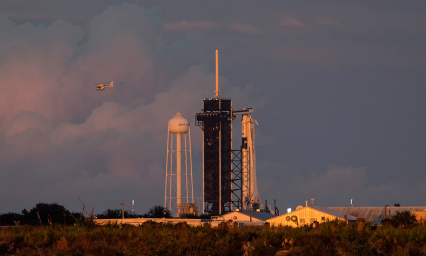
pixel 250 195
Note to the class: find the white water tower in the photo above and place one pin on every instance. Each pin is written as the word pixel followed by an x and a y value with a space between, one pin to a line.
pixel 179 193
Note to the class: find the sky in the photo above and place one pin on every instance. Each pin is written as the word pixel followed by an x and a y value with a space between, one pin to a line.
pixel 337 88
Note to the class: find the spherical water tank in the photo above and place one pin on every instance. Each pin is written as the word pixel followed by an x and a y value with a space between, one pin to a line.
pixel 178 124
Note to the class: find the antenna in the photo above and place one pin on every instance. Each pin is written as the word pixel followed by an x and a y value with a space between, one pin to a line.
pixel 217 92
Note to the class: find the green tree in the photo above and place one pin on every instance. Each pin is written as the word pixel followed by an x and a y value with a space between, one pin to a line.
pixel 404 219
pixel 7 219
pixel 116 214
pixel 53 213
pixel 158 212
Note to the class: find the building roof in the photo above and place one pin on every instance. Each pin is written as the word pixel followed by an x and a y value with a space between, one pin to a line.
pixel 323 209
pixel 334 212
pixel 258 215
pixel 375 215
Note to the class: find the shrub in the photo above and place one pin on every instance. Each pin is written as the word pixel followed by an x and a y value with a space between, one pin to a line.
pixel 151 238
pixel 404 219
pixel 158 212
pixel 116 214
pixel 7 219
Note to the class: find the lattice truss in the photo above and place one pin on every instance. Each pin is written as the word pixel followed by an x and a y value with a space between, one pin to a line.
pixel 171 188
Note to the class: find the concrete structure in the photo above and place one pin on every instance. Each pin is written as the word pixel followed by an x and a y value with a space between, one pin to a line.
pixel 307 215
pixel 375 215
pixel 178 174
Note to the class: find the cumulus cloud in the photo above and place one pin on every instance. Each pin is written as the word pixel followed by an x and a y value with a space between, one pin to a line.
pixel 26 120
pixel 60 138
pixel 246 29
pixel 185 26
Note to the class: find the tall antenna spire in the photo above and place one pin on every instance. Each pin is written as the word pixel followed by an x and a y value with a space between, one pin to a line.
pixel 217 92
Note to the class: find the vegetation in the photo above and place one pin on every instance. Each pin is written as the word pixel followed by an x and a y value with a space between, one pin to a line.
pixel 154 212
pixel 51 233
pixel 158 212
pixel 115 214
pixel 41 214
pixel 331 238
pixel 403 219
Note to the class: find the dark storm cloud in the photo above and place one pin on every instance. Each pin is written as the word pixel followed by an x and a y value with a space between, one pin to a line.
pixel 47 82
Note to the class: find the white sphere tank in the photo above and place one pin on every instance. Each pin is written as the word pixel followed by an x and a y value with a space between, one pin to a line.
pixel 178 124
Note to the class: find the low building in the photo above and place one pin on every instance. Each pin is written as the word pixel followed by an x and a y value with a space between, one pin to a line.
pixel 244 216
pixel 375 215
pixel 307 215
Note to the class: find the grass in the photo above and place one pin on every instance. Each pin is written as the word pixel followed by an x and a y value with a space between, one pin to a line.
pixel 331 238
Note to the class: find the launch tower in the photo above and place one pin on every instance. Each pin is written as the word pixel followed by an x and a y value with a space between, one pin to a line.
pixel 216 122
pixel 229 176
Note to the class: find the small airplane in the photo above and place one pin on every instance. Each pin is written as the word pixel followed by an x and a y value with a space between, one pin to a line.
pixel 102 86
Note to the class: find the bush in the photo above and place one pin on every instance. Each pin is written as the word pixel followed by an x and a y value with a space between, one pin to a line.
pixel 158 212
pixel 333 238
pixel 116 214
pixel 7 219
pixel 404 219
pixel 49 214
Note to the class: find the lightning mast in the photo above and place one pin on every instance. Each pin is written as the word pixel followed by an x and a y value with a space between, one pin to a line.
pixel 216 122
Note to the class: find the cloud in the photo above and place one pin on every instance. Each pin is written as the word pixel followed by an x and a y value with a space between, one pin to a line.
pixel 60 138
pixel 26 120
pixel 246 29
pixel 185 26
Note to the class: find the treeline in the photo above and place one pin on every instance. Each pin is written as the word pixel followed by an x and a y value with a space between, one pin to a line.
pixel 44 214
pixel 330 238
pixel 155 212
pixel 41 214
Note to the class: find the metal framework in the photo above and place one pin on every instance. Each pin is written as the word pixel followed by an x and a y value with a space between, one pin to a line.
pixel 237 179
pixel 216 122
pixel 175 176
pixel 229 176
